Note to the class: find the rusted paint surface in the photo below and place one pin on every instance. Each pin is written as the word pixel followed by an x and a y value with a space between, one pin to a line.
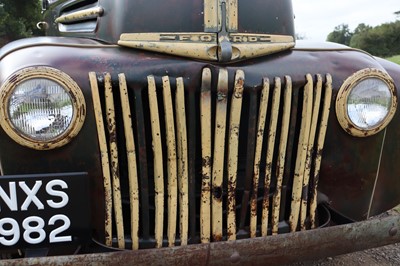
pixel 183 173
pixel 158 162
pixel 320 147
pixel 112 131
pixel 276 208
pixel 155 63
pixel 81 15
pixel 219 154
pixel 205 115
pixel 275 250
pixel 132 163
pixel 104 158
pixel 310 149
pixel 233 149
pixel 262 115
pixel 171 161
pixel 301 154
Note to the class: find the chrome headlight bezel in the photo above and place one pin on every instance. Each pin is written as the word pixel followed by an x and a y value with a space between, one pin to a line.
pixel 64 81
pixel 342 102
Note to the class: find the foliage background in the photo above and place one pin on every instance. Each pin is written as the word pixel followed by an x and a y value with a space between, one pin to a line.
pixel 382 40
pixel 18 19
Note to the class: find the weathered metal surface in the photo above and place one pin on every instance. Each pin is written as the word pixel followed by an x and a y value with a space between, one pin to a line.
pixel 181 16
pixel 41 72
pixel 205 115
pixel 219 155
pixel 276 208
pixel 262 116
pixel 183 173
pixel 158 162
pixel 104 158
pixel 132 163
pixel 320 146
pixel 271 250
pixel 114 161
pixel 85 58
pixel 301 153
pixel 344 92
pixel 172 171
pixel 233 150
pixel 81 15
pixel 310 149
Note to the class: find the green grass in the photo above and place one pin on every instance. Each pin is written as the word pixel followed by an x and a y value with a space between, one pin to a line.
pixel 394 59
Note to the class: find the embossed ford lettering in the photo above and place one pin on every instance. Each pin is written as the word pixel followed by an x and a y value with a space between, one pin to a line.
pixel 188 37
pixel 207 38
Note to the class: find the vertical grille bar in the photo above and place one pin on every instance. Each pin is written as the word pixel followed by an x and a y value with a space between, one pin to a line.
pixel 104 157
pixel 132 167
pixel 301 154
pixel 112 131
pixel 158 161
pixel 320 147
pixel 182 160
pixel 276 205
pixel 271 146
pixel 205 114
pixel 233 146
pixel 310 149
pixel 262 115
pixel 219 154
pixel 171 161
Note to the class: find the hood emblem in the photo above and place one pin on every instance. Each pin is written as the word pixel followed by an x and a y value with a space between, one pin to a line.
pixel 219 42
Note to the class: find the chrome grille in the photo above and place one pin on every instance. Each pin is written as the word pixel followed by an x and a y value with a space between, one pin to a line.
pixel 240 194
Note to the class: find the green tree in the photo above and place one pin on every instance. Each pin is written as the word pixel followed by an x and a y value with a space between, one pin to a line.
pixel 341 34
pixel 18 19
pixel 382 40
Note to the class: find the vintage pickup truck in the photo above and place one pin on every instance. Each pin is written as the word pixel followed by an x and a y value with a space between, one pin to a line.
pixel 192 132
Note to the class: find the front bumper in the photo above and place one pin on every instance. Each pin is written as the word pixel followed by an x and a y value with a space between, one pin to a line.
pixel 271 250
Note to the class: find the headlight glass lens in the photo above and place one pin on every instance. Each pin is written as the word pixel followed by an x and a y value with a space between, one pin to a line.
pixel 369 103
pixel 40 109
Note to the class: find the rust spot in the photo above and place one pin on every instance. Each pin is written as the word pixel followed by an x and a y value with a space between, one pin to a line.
pixel 217 193
pixel 206 162
pixel 221 97
pixel 217 237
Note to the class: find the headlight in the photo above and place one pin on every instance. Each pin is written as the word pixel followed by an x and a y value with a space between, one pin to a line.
pixel 366 102
pixel 42 108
